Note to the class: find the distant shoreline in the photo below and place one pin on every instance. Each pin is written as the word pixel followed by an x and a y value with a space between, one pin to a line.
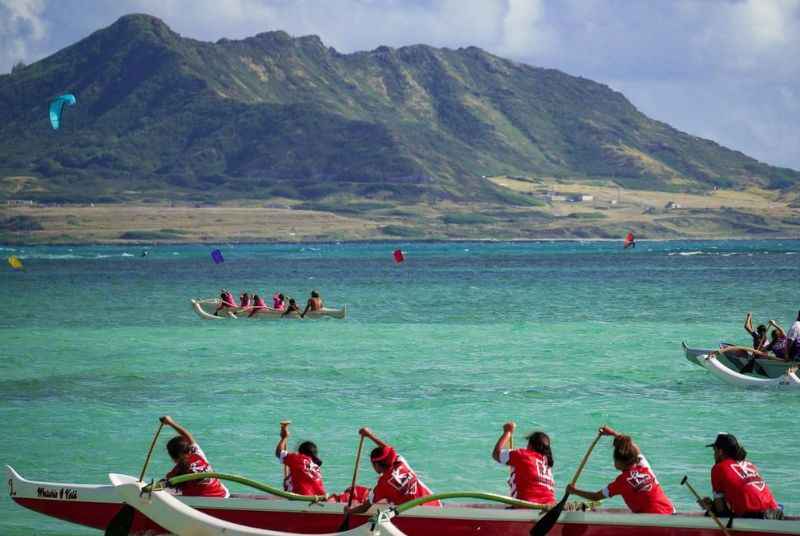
pixel 394 241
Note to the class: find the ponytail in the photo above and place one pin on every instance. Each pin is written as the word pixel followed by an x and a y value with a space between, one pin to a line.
pixel 540 442
pixel 625 450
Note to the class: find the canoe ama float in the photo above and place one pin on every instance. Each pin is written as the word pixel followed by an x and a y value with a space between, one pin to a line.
pixel 736 359
pixel 95 506
pixel 205 310
pixel 167 511
pixel 788 381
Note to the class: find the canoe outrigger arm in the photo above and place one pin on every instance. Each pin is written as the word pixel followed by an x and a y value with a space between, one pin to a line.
pixel 399 509
pixel 174 481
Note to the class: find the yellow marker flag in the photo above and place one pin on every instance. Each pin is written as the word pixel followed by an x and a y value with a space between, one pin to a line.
pixel 15 262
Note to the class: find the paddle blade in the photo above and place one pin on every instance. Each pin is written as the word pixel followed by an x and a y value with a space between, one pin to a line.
pixel 345 523
pixel 549 520
pixel 121 523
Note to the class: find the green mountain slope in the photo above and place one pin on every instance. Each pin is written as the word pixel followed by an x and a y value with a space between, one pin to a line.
pixel 271 115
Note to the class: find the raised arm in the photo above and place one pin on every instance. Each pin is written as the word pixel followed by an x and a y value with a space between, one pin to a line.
pixel 778 328
pixel 281 446
pixel 748 323
pixel 502 441
pixel 366 432
pixel 607 430
pixel 169 421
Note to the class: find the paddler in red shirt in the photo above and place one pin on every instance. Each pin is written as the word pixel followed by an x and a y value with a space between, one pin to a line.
pixel 305 475
pixel 397 483
pixel 189 458
pixel 739 489
pixel 531 476
pixel 637 483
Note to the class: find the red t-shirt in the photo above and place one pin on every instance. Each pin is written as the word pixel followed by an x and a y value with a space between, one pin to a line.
pixel 640 490
pixel 531 477
pixel 305 476
pixel 400 484
pixel 197 463
pixel 741 485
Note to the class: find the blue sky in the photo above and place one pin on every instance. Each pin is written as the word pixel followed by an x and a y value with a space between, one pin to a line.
pixel 728 70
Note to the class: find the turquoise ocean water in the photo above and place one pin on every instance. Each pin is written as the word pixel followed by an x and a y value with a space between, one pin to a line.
pixel 97 342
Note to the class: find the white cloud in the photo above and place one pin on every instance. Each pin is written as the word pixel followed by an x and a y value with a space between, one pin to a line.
pixel 22 29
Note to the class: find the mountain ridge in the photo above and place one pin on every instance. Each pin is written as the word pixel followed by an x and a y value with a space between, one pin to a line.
pixel 278 116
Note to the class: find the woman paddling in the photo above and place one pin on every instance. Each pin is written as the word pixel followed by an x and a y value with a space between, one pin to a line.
pixel 189 458
pixel 637 483
pixel 258 305
pixel 304 476
pixel 291 308
pixel 397 482
pixel 738 487
pixel 226 301
pixel 531 477
pixel 759 335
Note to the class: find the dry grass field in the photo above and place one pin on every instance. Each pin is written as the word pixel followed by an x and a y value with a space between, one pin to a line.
pixel 610 214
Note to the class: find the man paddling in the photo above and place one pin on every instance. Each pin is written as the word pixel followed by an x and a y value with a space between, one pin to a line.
pixel 739 489
pixel 189 458
pixel 531 477
pixel 314 303
pixel 397 483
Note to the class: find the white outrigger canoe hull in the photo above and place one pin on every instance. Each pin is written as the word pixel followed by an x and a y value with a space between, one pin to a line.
pixel 735 360
pixel 205 310
pixel 787 381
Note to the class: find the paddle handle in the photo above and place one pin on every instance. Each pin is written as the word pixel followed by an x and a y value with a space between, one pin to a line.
pixel 355 472
pixel 586 458
pixel 150 452
pixel 685 482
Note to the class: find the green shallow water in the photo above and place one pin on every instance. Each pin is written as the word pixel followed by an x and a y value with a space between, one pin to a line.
pixel 436 354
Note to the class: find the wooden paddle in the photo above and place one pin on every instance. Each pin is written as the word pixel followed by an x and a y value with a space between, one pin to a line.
pixel 547 521
pixel 346 522
pixel 685 482
pixel 120 524
pixel 285 424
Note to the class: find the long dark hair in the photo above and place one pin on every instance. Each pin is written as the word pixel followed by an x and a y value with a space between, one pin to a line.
pixel 735 452
pixel 309 448
pixel 625 450
pixel 540 442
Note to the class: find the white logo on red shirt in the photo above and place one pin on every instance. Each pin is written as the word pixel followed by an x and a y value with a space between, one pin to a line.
pixel 311 469
pixel 748 472
pixel 403 481
pixel 640 481
pixel 545 473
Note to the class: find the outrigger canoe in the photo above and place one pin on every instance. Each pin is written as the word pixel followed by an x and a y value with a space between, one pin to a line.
pixel 788 381
pixel 736 358
pixel 205 310
pixel 95 506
